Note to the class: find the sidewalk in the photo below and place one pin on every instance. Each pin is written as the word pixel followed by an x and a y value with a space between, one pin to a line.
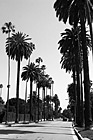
pixel 81 133
pixel 48 130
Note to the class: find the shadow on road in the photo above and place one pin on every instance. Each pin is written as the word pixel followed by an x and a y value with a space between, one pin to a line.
pixel 6 132
pixel 28 125
pixel 3 131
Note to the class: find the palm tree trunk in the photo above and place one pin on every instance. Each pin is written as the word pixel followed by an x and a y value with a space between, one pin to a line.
pixel 74 82
pixel 82 113
pixel 44 102
pixel 38 103
pixel 86 70
pixel 17 92
pixel 78 100
pixel 31 88
pixel 8 86
pixel 50 102
pixel 25 102
pixel 79 123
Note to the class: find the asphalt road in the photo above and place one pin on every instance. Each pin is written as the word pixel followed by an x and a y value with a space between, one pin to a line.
pixel 48 130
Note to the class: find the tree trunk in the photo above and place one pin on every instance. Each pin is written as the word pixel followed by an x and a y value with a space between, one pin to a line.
pixel 74 82
pixel 86 70
pixel 25 102
pixel 8 86
pixel 44 101
pixel 31 88
pixel 38 103
pixel 82 112
pixel 50 102
pixel 17 92
pixel 77 60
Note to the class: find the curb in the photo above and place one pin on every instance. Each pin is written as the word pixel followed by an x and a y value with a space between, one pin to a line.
pixel 78 135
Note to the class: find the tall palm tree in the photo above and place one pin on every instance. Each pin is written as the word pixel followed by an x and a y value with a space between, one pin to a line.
pixel 7 29
pixel 43 83
pixel 76 11
pixel 30 72
pixel 70 49
pixel 26 93
pixel 38 60
pixel 19 48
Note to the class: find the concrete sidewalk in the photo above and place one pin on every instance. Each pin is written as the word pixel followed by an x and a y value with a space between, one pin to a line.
pixel 48 130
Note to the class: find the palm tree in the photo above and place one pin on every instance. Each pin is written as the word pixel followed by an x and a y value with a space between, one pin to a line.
pixel 47 99
pixel 76 11
pixel 19 48
pixel 7 29
pixel 68 48
pixel 39 60
pixel 71 56
pixel 30 72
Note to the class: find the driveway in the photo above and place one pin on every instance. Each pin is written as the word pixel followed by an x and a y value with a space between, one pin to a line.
pixel 48 130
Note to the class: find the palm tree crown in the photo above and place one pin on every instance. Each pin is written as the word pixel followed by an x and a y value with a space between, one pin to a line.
pixel 30 71
pixel 19 46
pixel 71 9
pixel 8 27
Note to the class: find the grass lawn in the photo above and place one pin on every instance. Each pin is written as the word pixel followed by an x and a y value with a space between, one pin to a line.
pixel 86 133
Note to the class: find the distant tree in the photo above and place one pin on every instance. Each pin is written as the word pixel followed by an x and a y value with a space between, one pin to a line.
pixel 2 109
pixel 57 104
pixel 67 113
pixel 12 105
pixel 48 105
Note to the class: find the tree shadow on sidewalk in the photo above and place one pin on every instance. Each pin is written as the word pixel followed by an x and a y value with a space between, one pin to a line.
pixel 6 132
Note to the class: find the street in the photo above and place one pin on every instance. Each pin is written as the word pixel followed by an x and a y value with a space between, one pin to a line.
pixel 48 130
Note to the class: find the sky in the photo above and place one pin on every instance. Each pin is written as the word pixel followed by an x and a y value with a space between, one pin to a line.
pixel 36 18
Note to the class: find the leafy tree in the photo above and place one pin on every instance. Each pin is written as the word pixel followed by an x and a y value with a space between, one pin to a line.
pixel 67 113
pixel 19 48
pixel 2 109
pixel 12 105
pixel 57 104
